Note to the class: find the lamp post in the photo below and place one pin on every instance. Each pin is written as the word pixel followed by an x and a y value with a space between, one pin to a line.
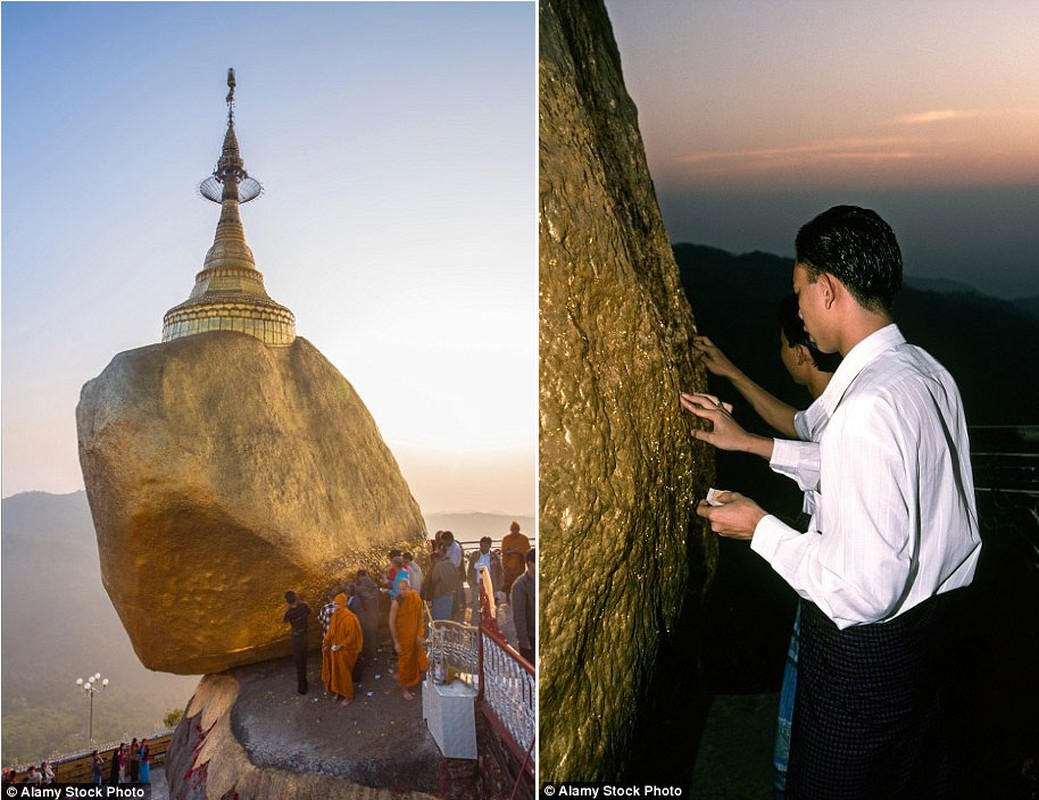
pixel 92 686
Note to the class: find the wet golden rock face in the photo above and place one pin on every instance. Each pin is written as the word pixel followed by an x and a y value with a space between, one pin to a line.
pixel 620 476
pixel 220 473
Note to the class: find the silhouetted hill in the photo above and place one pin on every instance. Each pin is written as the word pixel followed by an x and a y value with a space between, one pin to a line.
pixel 939 285
pixel 59 625
pixel 1030 305
pixel 987 344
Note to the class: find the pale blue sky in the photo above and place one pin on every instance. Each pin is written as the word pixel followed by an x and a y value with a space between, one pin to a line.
pixel 396 143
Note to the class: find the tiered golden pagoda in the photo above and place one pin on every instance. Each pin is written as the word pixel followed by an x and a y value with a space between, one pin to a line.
pixel 228 293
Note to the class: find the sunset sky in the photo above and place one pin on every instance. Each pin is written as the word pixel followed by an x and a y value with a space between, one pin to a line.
pixel 758 115
pixel 396 143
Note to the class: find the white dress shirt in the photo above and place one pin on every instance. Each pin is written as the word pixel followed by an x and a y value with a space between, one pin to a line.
pixel 800 460
pixel 896 521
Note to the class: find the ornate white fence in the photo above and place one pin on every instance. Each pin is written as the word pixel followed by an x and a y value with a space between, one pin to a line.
pixel 454 653
pixel 508 691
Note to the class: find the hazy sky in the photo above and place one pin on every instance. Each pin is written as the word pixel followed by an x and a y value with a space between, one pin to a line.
pixel 396 145
pixel 757 115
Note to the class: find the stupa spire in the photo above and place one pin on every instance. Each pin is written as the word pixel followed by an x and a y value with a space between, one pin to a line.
pixel 228 292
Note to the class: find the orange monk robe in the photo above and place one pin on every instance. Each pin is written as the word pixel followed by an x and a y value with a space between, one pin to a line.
pixel 344 630
pixel 514 547
pixel 410 625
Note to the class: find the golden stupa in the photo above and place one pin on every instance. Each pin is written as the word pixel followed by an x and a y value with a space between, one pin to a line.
pixel 228 293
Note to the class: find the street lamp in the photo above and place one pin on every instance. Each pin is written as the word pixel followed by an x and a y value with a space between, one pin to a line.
pixel 92 686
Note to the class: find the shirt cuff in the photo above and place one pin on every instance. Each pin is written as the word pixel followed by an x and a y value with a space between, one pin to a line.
pixel 785 455
pixel 768 534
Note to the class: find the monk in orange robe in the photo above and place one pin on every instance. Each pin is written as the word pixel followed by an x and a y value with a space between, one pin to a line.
pixel 339 650
pixel 407 624
pixel 514 549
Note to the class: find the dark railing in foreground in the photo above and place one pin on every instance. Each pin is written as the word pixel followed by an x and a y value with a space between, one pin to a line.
pixel 1005 460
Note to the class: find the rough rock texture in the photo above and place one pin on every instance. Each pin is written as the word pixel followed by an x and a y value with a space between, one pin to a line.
pixel 620 476
pixel 247 734
pixel 220 473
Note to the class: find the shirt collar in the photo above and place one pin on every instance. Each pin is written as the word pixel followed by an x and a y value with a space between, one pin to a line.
pixel 857 359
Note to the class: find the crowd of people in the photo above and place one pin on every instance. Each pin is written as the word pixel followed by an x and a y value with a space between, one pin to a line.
pixel 32 775
pixel 403 596
pixel 127 764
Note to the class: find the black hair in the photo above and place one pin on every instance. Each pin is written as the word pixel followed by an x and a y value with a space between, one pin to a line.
pixel 794 331
pixel 487 539
pixel 530 556
pixel 859 249
pixel 290 596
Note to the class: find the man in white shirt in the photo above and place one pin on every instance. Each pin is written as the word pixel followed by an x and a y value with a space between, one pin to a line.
pixel 895 527
pixel 809 368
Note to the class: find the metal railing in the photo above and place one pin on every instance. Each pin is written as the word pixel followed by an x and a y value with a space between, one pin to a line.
pixel 1005 460
pixel 453 653
pixel 508 692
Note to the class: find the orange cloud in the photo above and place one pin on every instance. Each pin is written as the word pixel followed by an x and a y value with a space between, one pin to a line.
pixel 860 150
pixel 926 117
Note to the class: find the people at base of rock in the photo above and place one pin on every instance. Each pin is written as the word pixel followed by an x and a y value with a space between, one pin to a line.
pixel 145 758
pixel 355 605
pixel 524 617
pixel 400 573
pixel 369 594
pixel 443 586
pixel 407 626
pixel 484 557
pixel 324 616
pixel 514 547
pixel 296 616
pixel 414 572
pixel 339 650
pixel 453 552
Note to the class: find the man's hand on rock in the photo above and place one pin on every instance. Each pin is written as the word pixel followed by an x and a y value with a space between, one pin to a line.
pixel 735 517
pixel 713 358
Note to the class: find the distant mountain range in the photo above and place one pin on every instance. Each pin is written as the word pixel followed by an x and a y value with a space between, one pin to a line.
pixel 988 345
pixel 59 625
pixel 471 526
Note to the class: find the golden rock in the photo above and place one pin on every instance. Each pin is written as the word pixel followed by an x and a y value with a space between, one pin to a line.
pixel 621 549
pixel 222 472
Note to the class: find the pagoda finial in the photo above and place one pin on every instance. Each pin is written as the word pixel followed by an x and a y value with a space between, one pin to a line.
pixel 229 293
pixel 230 179
pixel 230 97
